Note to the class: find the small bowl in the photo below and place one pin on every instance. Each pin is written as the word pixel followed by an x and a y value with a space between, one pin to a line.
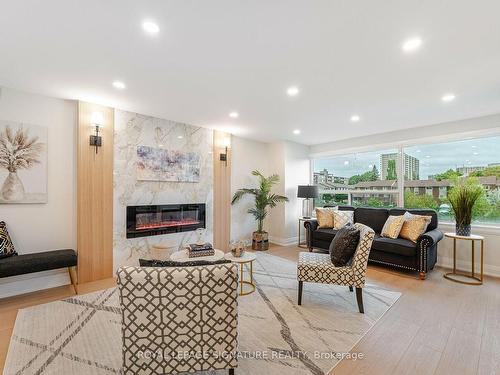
pixel 237 252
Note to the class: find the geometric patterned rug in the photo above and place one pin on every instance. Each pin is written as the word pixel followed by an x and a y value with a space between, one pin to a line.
pixel 82 334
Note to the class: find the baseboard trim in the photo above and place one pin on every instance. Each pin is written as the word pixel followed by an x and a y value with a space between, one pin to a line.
pixel 32 282
pixel 284 241
pixel 465 266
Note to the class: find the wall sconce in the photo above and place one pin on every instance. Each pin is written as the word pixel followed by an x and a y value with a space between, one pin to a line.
pixel 223 155
pixel 97 120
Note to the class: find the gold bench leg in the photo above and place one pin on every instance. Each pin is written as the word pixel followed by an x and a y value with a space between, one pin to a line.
pixel 74 278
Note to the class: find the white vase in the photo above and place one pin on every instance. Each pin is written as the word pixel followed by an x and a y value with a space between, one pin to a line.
pixel 12 189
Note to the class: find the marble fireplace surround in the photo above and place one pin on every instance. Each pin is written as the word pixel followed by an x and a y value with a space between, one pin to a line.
pixel 132 130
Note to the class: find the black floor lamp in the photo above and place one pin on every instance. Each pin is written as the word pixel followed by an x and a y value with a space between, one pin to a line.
pixel 307 192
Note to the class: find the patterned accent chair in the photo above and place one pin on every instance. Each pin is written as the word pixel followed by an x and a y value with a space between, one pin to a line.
pixel 178 319
pixel 318 268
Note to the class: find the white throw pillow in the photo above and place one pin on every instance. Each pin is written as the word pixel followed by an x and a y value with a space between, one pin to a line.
pixel 342 218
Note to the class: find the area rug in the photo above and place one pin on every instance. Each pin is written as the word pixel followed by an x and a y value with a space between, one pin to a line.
pixel 81 335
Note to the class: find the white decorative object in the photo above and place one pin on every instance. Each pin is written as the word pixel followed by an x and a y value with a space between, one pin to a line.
pixel 23 163
pixel 200 232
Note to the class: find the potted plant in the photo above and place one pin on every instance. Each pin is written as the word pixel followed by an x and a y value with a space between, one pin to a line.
pixel 264 200
pixel 462 197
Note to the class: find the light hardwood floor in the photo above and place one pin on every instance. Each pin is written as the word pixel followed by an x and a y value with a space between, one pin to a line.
pixel 436 327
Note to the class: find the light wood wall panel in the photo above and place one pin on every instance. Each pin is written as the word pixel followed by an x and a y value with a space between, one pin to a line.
pixel 94 196
pixel 222 191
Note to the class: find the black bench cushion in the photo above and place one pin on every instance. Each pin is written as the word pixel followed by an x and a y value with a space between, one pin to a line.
pixel 36 262
pixel 394 245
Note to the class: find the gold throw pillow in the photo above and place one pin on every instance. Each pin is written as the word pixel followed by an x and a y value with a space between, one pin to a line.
pixel 393 226
pixel 324 217
pixel 414 226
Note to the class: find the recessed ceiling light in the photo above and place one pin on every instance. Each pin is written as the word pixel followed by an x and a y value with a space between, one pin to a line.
pixel 419 151
pixel 292 91
pixel 150 27
pixel 427 156
pixel 448 97
pixel 296 132
pixel 355 118
pixel 412 44
pixel 346 162
pixel 234 114
pixel 119 85
pixel 180 136
pixel 475 153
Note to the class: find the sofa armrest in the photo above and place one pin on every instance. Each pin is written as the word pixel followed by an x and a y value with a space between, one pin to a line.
pixel 311 224
pixel 431 237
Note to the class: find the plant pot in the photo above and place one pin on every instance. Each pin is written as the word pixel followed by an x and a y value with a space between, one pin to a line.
pixel 12 189
pixel 462 230
pixel 260 241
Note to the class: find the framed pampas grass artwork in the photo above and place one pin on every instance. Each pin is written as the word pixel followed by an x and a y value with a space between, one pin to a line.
pixel 23 163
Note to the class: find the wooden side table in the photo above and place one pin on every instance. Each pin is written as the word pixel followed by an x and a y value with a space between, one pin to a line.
pixel 451 275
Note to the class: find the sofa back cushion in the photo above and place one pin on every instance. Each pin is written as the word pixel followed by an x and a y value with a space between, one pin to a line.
pixel 375 218
pixel 418 211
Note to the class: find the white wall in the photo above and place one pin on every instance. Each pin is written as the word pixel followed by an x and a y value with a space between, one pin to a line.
pixel 50 226
pixel 436 133
pixel 287 159
pixel 297 172
pixel 246 156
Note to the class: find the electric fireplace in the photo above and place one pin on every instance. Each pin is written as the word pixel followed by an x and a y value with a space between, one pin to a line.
pixel 153 220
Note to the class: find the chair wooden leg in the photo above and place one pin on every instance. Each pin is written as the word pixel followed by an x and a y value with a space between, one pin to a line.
pixel 73 277
pixel 359 298
pixel 422 275
pixel 350 288
pixel 231 371
pixel 300 292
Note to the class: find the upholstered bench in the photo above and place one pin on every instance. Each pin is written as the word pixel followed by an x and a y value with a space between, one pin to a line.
pixel 36 262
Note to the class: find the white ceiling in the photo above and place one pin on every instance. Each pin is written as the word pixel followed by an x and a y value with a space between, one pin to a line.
pixel 213 57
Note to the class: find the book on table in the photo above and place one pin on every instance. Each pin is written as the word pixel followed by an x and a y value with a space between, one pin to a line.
pixel 203 250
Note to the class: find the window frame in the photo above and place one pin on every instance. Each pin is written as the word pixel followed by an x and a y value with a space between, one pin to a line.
pixel 400 147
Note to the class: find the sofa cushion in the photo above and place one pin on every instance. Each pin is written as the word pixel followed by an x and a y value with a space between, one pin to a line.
pixel 342 218
pixel 325 234
pixel 418 211
pixel 393 226
pixel 187 263
pixel 344 245
pixel 28 263
pixel 414 226
pixel 375 218
pixel 394 245
pixel 325 217
pixel 6 245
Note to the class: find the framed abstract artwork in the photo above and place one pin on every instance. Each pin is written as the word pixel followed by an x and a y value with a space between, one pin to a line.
pixel 156 164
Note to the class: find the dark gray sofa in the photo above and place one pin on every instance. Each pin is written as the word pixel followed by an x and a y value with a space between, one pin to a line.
pixel 405 254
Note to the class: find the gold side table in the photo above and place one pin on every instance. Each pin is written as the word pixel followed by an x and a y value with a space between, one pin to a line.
pixel 452 275
pixel 244 259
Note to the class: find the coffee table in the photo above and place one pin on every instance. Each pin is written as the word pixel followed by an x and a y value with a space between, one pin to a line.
pixel 183 256
pixel 246 258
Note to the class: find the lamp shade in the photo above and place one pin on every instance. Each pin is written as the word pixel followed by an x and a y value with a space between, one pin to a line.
pixel 308 191
pixel 97 119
